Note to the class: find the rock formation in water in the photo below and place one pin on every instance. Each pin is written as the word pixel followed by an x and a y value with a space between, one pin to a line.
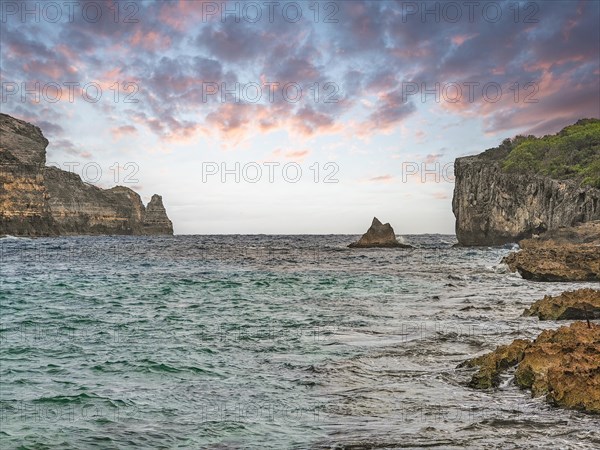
pixel 567 254
pixel 527 186
pixel 561 364
pixel 379 236
pixel 44 201
pixel 581 304
pixel 156 219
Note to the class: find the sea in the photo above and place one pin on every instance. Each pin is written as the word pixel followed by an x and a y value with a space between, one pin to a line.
pixel 265 342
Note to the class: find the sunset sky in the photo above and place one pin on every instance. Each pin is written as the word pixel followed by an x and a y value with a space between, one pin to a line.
pixel 362 118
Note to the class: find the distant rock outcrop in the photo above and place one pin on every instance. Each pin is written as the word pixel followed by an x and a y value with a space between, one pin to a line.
pixel 567 254
pixel 44 201
pixel 379 236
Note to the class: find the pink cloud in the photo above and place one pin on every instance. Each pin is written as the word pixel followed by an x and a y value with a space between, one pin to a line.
pixel 460 39
pixel 432 159
pixel 381 179
pixel 440 195
pixel 124 130
pixel 150 40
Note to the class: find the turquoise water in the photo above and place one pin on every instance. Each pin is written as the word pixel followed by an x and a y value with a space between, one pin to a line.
pixel 264 342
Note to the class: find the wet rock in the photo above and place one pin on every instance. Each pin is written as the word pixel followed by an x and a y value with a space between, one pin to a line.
pixel 570 254
pixel 575 305
pixel 492 364
pixel 561 364
pixel 564 365
pixel 379 236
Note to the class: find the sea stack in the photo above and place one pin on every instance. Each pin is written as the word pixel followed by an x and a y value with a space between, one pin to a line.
pixel 156 221
pixel 379 236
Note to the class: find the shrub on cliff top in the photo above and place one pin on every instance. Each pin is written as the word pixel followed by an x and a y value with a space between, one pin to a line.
pixel 573 153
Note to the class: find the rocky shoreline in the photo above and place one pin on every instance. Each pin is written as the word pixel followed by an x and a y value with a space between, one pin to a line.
pixel 566 254
pixel 36 200
pixel 582 304
pixel 562 364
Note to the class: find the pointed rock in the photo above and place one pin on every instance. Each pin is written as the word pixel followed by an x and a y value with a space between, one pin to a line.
pixel 156 220
pixel 379 236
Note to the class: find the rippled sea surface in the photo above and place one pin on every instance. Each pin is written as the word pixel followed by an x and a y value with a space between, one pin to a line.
pixel 264 342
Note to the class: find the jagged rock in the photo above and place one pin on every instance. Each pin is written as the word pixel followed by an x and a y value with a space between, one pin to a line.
pixel 492 364
pixel 156 220
pixel 563 364
pixel 379 236
pixel 24 141
pixel 571 254
pixel 39 201
pixel 575 305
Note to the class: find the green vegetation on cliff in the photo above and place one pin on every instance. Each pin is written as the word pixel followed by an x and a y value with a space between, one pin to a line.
pixel 571 154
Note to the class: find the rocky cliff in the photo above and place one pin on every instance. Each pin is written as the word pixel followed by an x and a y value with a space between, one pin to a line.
pixel 24 208
pixel 494 205
pixel 40 201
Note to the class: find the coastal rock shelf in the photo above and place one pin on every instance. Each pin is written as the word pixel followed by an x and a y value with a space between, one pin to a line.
pixel 561 364
pixel 567 254
pixel 576 305
pixel 379 236
pixel 45 201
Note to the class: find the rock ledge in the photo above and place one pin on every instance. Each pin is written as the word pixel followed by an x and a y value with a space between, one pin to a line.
pixel 561 364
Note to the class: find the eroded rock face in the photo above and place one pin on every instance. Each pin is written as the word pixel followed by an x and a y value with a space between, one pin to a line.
pixel 494 208
pixel 24 208
pixel 378 236
pixel 40 201
pixel 562 364
pixel 80 208
pixel 575 305
pixel 156 220
pixel 569 254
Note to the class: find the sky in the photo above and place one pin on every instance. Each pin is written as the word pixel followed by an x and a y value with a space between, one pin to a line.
pixel 294 117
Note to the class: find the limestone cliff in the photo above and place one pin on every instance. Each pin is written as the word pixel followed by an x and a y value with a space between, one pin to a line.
pixel 24 208
pixel 495 206
pixel 39 201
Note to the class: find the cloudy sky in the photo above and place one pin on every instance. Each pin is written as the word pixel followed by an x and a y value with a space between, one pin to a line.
pixel 294 117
